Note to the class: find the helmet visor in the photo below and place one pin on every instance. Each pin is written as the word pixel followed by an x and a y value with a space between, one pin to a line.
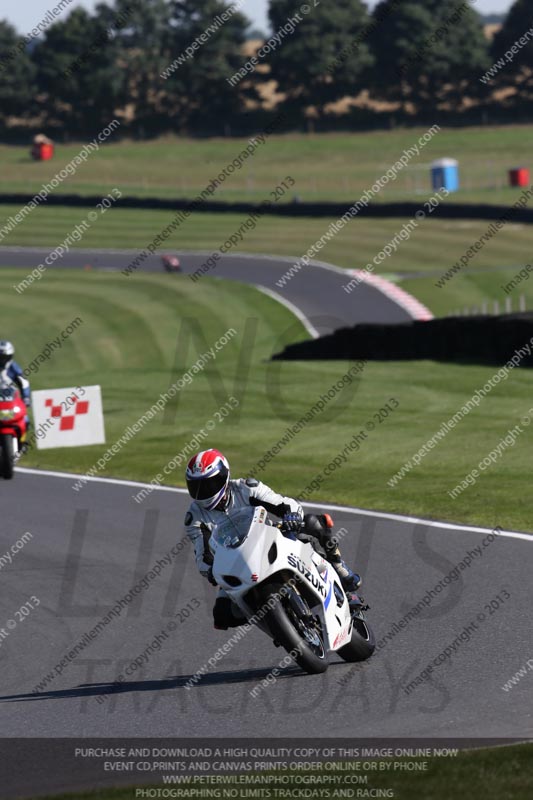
pixel 4 359
pixel 204 488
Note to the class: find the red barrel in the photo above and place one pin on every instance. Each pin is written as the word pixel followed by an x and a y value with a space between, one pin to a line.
pixel 519 176
pixel 47 152
pixel 42 151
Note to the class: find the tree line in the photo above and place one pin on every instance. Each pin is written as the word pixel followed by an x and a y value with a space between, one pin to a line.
pixel 181 66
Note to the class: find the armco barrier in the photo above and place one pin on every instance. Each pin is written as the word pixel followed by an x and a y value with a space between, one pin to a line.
pixel 292 209
pixel 474 340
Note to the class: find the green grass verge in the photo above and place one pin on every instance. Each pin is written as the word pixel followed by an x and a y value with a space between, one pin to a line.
pixel 504 773
pixel 127 343
pixel 473 291
pixel 325 167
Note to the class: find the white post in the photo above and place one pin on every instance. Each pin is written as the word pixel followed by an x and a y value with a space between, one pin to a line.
pixel 508 305
pixel 496 307
pixel 522 302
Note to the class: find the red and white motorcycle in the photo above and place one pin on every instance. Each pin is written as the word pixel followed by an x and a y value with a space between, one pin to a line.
pixel 13 414
pixel 289 590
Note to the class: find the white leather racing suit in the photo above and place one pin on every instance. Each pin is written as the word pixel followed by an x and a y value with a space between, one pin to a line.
pixel 242 492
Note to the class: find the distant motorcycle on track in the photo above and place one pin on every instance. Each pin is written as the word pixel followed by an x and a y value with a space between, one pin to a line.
pixel 291 592
pixel 171 263
pixel 13 427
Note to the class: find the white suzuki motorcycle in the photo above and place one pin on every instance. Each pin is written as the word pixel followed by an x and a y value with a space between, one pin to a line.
pixel 289 590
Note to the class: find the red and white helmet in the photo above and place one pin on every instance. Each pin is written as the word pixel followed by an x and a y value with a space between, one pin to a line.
pixel 207 478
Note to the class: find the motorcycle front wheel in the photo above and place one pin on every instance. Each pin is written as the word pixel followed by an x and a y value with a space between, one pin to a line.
pixel 7 456
pixel 300 637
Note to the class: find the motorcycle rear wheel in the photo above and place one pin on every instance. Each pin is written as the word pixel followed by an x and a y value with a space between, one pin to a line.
pixel 362 643
pixel 7 456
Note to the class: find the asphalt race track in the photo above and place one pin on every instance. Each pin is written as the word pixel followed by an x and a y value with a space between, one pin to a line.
pixel 315 292
pixel 90 548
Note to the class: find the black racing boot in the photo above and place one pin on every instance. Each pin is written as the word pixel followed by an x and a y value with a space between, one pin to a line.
pixel 350 580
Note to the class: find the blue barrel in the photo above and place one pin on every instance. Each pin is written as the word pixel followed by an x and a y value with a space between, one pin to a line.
pixel 445 174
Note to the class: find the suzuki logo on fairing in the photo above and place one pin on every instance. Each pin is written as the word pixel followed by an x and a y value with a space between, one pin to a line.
pixel 295 562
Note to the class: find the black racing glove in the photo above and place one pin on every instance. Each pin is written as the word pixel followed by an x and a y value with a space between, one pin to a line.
pixel 292 522
pixel 210 577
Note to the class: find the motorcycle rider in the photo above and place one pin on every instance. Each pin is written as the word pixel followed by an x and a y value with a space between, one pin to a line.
pixel 215 494
pixel 14 372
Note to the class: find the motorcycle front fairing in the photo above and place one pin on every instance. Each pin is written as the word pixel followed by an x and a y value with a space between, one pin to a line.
pixel 12 414
pixel 248 551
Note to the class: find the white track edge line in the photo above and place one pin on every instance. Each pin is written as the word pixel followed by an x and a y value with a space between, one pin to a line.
pixel 328 506
pixel 290 306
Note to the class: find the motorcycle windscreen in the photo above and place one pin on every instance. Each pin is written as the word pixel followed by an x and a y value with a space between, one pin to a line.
pixel 235 528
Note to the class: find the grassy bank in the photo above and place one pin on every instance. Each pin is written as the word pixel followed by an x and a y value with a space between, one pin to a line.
pixel 325 166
